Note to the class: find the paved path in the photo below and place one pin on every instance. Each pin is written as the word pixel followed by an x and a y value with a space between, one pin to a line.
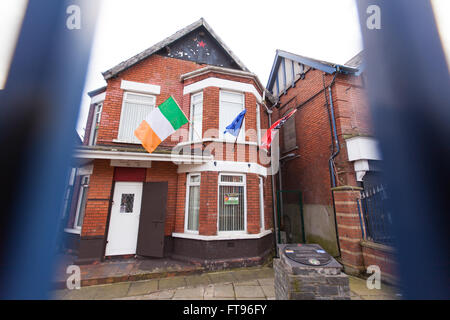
pixel 250 284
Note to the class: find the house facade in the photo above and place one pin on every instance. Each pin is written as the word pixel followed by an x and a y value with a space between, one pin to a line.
pixel 201 196
pixel 329 154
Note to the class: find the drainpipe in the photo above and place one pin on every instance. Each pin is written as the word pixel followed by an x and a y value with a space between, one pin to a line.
pixel 275 222
pixel 335 151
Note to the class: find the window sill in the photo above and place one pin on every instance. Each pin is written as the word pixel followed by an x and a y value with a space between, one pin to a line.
pixel 124 141
pixel 233 236
pixel 73 231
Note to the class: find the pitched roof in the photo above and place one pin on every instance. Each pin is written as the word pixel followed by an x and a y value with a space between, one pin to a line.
pixel 325 66
pixel 356 61
pixel 177 35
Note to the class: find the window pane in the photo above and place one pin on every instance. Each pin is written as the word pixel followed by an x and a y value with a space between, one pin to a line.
pixel 195 178
pixel 194 207
pixel 231 178
pixel 82 207
pixel 126 203
pixel 135 109
pixel 231 208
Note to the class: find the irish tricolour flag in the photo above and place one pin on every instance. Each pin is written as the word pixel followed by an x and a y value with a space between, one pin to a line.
pixel 160 123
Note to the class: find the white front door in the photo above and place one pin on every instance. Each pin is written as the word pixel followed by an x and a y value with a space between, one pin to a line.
pixel 124 220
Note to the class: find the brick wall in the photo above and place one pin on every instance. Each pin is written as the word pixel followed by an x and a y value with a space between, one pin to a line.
pixel 99 192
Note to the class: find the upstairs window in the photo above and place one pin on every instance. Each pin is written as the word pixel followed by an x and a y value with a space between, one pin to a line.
pixel 135 108
pixel 195 129
pixel 230 105
pixel 289 134
pixel 95 124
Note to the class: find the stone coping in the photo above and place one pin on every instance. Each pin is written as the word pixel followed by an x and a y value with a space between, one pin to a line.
pixel 347 188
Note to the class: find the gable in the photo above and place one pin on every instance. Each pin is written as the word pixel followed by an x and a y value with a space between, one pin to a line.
pixel 213 50
pixel 200 47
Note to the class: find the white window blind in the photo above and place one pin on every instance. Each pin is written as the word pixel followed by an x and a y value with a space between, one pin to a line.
pixel 232 203
pixel 195 132
pixel 135 108
pixel 258 124
pixel 231 104
pixel 193 202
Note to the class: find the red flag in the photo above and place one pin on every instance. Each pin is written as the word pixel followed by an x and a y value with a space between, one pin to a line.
pixel 270 133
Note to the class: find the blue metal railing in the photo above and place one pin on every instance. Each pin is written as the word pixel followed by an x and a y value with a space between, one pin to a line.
pixel 375 217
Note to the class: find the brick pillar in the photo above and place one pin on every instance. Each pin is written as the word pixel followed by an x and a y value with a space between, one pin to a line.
pixel 349 227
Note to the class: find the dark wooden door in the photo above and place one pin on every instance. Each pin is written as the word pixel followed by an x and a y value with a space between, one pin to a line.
pixel 151 223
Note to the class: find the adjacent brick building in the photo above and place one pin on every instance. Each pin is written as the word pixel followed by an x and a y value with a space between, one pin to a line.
pixel 329 155
pixel 200 196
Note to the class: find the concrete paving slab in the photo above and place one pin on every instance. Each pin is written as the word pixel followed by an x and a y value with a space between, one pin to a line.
pixel 111 291
pixel 192 293
pixel 247 283
pixel 87 293
pixel 143 287
pixel 245 275
pixel 160 295
pixel 267 282
pixel 171 283
pixel 198 280
pixel 269 291
pixel 249 292
pixel 221 277
pixel 223 291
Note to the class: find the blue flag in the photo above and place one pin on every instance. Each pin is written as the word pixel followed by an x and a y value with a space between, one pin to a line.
pixel 235 127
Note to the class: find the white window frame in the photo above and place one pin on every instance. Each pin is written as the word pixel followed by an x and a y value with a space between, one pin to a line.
pixel 98 108
pixel 261 204
pixel 124 100
pixel 240 184
pixel 186 211
pixel 193 136
pixel 227 137
pixel 80 198
pixel 258 123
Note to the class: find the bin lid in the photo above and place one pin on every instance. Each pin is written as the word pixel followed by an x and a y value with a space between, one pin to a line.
pixel 311 255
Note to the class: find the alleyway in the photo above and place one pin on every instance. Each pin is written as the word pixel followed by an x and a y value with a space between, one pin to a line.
pixel 250 284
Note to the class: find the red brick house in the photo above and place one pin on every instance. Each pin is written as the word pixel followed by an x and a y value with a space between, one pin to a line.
pixel 198 197
pixel 328 153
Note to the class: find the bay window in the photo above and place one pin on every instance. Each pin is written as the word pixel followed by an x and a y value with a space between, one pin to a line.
pixel 95 124
pixel 192 203
pixel 232 203
pixel 81 205
pixel 230 105
pixel 135 107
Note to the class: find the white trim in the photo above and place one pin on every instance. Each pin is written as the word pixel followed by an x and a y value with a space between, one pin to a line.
pixel 73 231
pixel 122 155
pixel 222 84
pixel 98 98
pixel 193 132
pixel 222 70
pixel 258 124
pixel 225 166
pixel 243 183
pixel 362 148
pixel 80 199
pixel 261 204
pixel 186 206
pixel 234 236
pixel 140 87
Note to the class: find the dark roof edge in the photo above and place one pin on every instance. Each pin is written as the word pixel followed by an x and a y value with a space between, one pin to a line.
pixel 325 66
pixel 96 91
